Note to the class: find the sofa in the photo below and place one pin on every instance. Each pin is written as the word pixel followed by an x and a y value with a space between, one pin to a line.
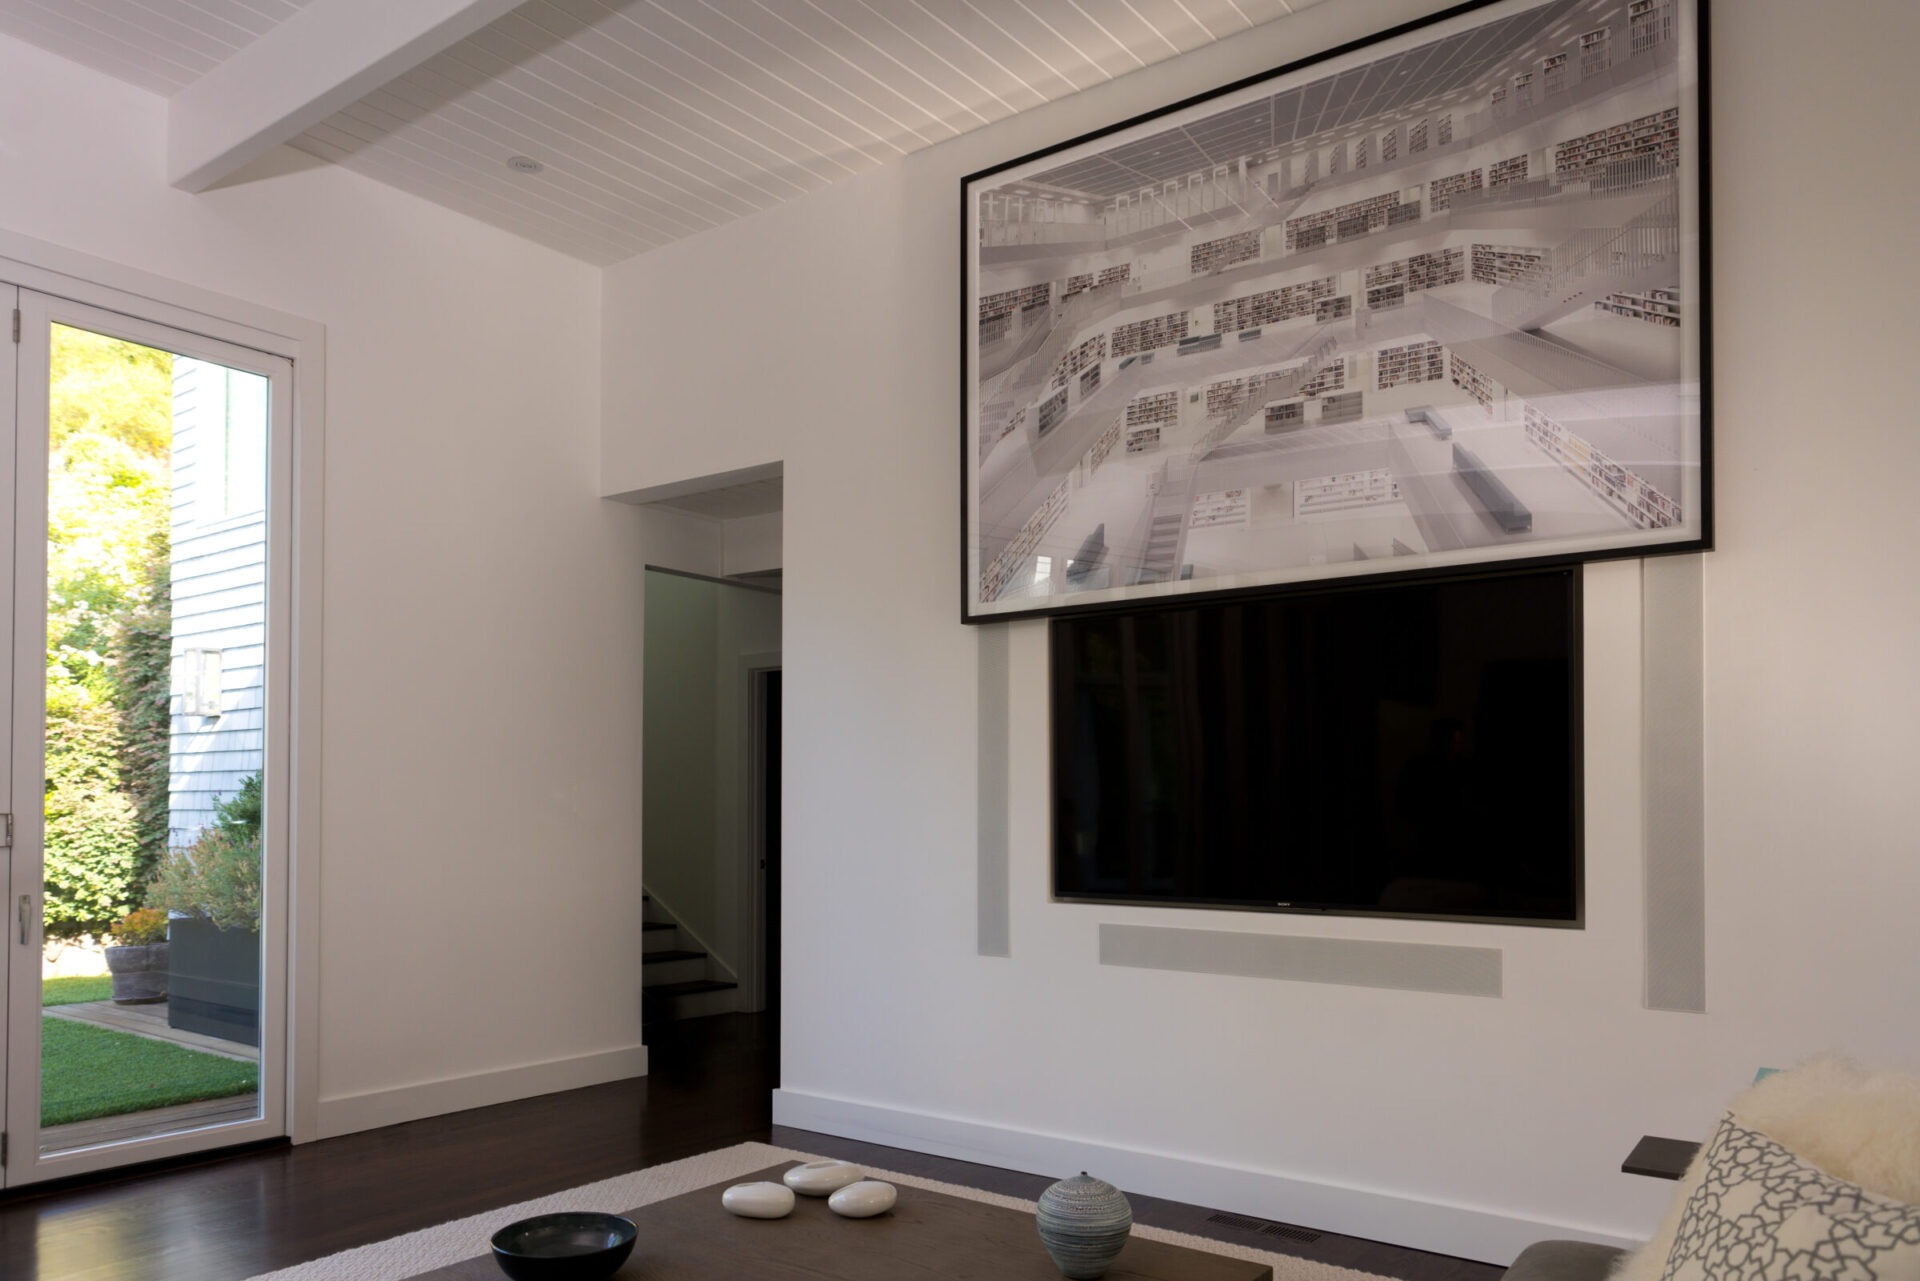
pixel 1811 1172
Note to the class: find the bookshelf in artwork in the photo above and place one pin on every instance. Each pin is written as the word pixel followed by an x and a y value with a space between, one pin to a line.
pixel 1343 407
pixel 1154 407
pixel 1417 137
pixel 1115 275
pixel 1356 217
pixel 1414 363
pixel 1344 491
pixel 1222 507
pixel 1271 306
pixel 1655 306
pixel 1553 74
pixel 1420 271
pixel 1657 135
pixel 1441 191
pixel 1507 264
pixel 1051 411
pixel 1089 382
pixel 1230 395
pixel 1146 335
pixel 1011 300
pixel 1505 172
pixel 1596 52
pixel 1331 309
pixel 1388 296
pixel 1087 354
pixel 1651 22
pixel 1285 415
pixel 1212 255
pixel 1444 129
pixel 1618 484
pixel 1470 380
pixel 1389 145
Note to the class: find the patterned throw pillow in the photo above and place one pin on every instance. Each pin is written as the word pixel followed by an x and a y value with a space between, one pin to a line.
pixel 1763 1213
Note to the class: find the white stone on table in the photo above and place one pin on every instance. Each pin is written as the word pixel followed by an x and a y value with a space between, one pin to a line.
pixel 863 1200
pixel 823 1178
pixel 758 1200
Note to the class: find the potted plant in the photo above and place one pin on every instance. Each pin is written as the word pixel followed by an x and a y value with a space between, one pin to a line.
pixel 137 957
pixel 212 888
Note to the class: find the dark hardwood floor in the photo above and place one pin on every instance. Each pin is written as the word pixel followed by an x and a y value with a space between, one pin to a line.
pixel 228 1217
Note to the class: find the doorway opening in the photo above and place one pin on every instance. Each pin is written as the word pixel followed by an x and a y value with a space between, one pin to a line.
pixel 710 798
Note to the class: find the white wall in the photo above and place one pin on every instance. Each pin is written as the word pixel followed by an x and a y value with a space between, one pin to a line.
pixel 1471 1125
pixel 482 686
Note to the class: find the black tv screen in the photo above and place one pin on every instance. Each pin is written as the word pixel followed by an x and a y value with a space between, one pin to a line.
pixel 1409 750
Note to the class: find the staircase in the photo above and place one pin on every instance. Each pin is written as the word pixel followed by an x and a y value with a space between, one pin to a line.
pixel 678 980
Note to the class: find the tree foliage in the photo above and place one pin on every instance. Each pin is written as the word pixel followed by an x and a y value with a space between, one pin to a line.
pixel 217 878
pixel 109 503
pixel 142 674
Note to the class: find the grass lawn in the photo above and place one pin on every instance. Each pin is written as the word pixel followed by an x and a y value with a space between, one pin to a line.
pixel 74 991
pixel 88 1072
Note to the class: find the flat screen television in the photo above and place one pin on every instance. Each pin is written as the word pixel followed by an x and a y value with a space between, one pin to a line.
pixel 1409 750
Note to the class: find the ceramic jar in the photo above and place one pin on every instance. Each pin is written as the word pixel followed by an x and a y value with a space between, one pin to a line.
pixel 1083 1223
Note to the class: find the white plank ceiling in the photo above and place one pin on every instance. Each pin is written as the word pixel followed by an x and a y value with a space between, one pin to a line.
pixel 162 45
pixel 657 119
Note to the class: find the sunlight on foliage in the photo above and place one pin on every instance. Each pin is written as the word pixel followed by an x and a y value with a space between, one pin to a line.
pixel 109 511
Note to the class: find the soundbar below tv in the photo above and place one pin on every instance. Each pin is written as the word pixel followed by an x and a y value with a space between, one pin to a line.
pixel 1408 750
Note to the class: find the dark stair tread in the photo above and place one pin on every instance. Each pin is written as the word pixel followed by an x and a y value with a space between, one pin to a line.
pixel 670 954
pixel 692 987
pixel 657 925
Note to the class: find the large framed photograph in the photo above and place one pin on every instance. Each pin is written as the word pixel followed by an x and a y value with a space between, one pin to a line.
pixel 1428 301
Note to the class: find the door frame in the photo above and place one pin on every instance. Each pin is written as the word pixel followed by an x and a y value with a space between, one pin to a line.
pixel 751 839
pixel 87 279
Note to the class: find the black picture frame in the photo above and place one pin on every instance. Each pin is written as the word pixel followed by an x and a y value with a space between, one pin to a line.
pixel 1433 300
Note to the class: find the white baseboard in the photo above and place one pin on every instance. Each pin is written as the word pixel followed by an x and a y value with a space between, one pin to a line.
pixel 1444 1228
pixel 349 1113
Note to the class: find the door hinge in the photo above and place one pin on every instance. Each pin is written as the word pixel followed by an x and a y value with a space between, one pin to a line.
pixel 3 1147
pixel 6 831
pixel 16 324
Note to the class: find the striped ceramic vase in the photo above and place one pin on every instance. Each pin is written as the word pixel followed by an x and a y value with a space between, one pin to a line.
pixel 1084 1222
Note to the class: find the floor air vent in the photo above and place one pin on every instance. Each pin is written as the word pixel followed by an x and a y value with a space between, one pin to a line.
pixel 1287 1232
pixel 1236 1221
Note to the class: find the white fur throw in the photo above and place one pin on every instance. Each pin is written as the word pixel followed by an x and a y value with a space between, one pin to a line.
pixel 1860 1126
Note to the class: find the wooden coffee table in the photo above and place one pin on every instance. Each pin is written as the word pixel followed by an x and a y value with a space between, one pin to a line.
pixel 927 1234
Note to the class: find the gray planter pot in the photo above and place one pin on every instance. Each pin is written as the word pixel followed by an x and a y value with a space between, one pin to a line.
pixel 213 981
pixel 139 973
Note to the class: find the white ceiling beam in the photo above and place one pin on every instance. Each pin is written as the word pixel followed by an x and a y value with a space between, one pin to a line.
pixel 325 57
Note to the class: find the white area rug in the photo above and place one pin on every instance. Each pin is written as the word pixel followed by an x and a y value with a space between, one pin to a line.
pixel 417 1252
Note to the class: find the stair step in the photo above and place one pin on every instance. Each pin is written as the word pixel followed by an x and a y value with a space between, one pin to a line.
pixel 656 925
pixel 692 987
pixel 669 955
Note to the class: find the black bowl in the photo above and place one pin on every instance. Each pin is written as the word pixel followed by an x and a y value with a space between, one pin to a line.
pixel 564 1247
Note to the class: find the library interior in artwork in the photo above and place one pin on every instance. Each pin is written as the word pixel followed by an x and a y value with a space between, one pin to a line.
pixel 1424 308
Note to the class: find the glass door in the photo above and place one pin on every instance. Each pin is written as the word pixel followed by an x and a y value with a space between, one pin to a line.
pixel 146 958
